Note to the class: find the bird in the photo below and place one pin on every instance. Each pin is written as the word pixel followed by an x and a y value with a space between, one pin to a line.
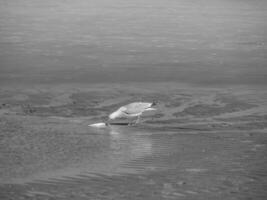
pixel 132 110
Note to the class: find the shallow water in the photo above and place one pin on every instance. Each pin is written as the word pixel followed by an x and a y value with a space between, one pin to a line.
pixel 141 163
pixel 200 143
pixel 65 64
pixel 204 42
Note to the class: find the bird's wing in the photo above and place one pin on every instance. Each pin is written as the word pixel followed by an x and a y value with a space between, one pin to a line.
pixel 136 107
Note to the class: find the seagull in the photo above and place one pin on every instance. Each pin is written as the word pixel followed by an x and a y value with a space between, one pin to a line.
pixel 131 110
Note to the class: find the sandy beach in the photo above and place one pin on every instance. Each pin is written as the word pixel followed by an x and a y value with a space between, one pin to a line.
pixel 201 143
pixel 67 64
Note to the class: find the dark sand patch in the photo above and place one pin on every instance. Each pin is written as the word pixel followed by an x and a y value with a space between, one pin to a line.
pixel 221 104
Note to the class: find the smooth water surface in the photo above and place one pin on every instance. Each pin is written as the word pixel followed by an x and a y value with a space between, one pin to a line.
pixel 207 41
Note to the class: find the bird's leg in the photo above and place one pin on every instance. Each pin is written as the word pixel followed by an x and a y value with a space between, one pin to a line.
pixel 138 119
pixel 131 123
pixel 134 121
pixel 105 120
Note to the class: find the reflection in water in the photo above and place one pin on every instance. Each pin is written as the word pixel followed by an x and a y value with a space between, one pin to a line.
pixel 134 145
pixel 136 162
pixel 118 145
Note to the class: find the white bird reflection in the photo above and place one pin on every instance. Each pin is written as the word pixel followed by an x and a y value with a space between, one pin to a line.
pixel 130 144
pixel 117 147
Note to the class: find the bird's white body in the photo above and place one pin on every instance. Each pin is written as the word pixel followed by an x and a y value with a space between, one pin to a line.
pixel 135 109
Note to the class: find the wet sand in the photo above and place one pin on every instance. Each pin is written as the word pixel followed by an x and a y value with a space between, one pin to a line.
pixel 202 143
pixel 66 64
